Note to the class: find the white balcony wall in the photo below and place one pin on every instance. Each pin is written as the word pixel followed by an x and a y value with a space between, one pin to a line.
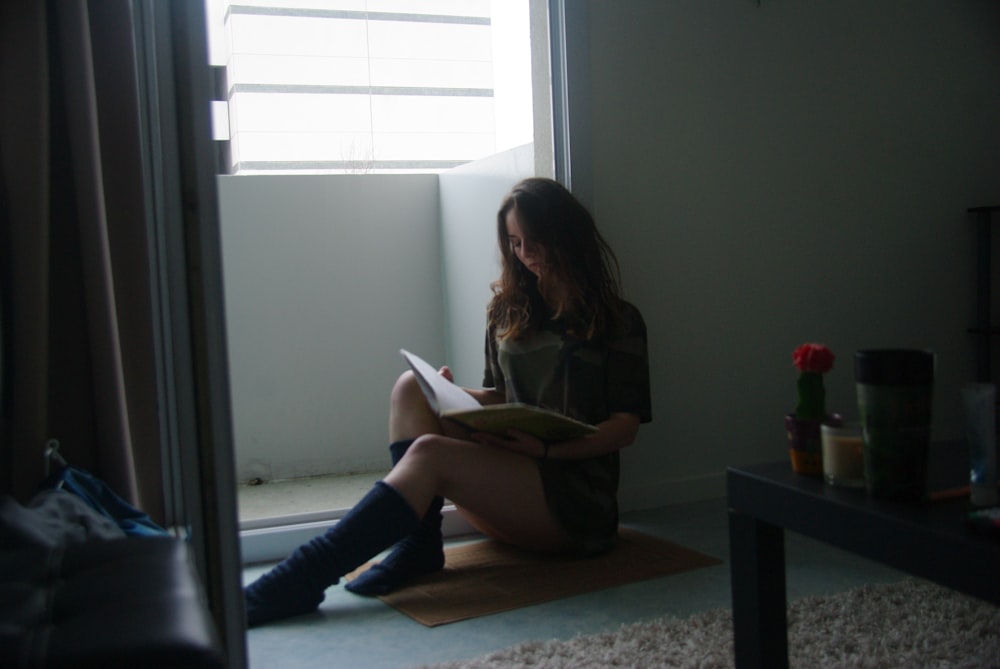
pixel 470 197
pixel 327 277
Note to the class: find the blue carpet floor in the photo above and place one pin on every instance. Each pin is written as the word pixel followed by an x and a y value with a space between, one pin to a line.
pixel 357 632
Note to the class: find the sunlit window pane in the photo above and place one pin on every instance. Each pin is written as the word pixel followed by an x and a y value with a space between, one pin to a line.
pixel 284 35
pixel 444 7
pixel 378 85
pixel 432 146
pixel 432 73
pixel 432 114
pixel 288 69
pixel 429 41
pixel 317 146
pixel 220 120
pixel 302 113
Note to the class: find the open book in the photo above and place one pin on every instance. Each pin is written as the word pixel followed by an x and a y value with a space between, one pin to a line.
pixel 453 403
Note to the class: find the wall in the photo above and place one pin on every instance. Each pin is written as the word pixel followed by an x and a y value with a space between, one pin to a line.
pixel 470 198
pixel 326 279
pixel 782 173
pixel 768 175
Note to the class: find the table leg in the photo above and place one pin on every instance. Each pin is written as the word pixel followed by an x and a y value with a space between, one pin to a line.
pixel 757 570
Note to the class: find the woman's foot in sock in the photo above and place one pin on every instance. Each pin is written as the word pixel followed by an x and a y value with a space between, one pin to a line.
pixel 414 556
pixel 297 584
pixel 279 594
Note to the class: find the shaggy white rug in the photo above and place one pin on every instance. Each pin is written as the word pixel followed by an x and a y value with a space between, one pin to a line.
pixel 912 624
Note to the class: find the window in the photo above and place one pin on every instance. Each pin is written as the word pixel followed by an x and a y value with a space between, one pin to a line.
pixel 372 86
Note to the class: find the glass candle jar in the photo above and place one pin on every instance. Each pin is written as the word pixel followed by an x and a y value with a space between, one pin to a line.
pixel 843 455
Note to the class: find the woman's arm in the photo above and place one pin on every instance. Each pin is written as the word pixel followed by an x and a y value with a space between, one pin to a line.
pixel 486 396
pixel 482 395
pixel 613 434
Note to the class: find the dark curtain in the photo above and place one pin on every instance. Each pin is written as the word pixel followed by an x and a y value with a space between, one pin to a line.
pixel 112 337
pixel 79 355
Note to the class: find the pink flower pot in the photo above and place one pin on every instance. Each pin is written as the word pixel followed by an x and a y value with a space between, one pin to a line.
pixel 805 446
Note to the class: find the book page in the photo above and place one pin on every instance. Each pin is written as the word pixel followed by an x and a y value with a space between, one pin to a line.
pixel 498 418
pixel 442 394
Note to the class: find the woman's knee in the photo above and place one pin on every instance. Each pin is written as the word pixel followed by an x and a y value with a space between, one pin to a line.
pixel 409 413
pixel 424 450
pixel 420 466
pixel 434 458
pixel 406 389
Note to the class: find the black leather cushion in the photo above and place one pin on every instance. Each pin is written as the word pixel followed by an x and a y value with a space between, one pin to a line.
pixel 121 603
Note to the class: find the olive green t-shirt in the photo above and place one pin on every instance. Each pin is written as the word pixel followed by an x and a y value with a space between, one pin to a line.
pixel 588 381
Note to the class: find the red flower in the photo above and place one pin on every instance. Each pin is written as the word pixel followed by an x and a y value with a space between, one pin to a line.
pixel 813 358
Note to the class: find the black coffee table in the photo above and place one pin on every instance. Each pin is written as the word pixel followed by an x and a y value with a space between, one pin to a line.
pixel 929 540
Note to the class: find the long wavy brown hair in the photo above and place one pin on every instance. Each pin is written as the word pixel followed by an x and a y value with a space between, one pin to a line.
pixel 580 282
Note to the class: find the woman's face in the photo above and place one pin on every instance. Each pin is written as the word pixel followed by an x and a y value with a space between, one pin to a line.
pixel 527 251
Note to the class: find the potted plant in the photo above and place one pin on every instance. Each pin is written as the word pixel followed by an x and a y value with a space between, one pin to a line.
pixel 803 425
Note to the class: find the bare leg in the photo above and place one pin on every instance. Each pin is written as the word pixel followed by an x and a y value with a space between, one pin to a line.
pixel 428 465
pixel 410 416
pixel 422 551
pixel 498 491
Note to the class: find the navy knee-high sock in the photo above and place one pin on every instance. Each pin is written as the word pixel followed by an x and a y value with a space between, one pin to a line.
pixel 419 553
pixel 296 585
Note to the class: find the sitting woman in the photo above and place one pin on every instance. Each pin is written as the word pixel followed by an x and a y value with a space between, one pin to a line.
pixel 559 335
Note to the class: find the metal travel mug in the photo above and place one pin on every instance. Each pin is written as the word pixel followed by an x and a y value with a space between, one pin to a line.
pixel 894 388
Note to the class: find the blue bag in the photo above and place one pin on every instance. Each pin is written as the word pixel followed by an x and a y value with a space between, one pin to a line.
pixel 98 495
